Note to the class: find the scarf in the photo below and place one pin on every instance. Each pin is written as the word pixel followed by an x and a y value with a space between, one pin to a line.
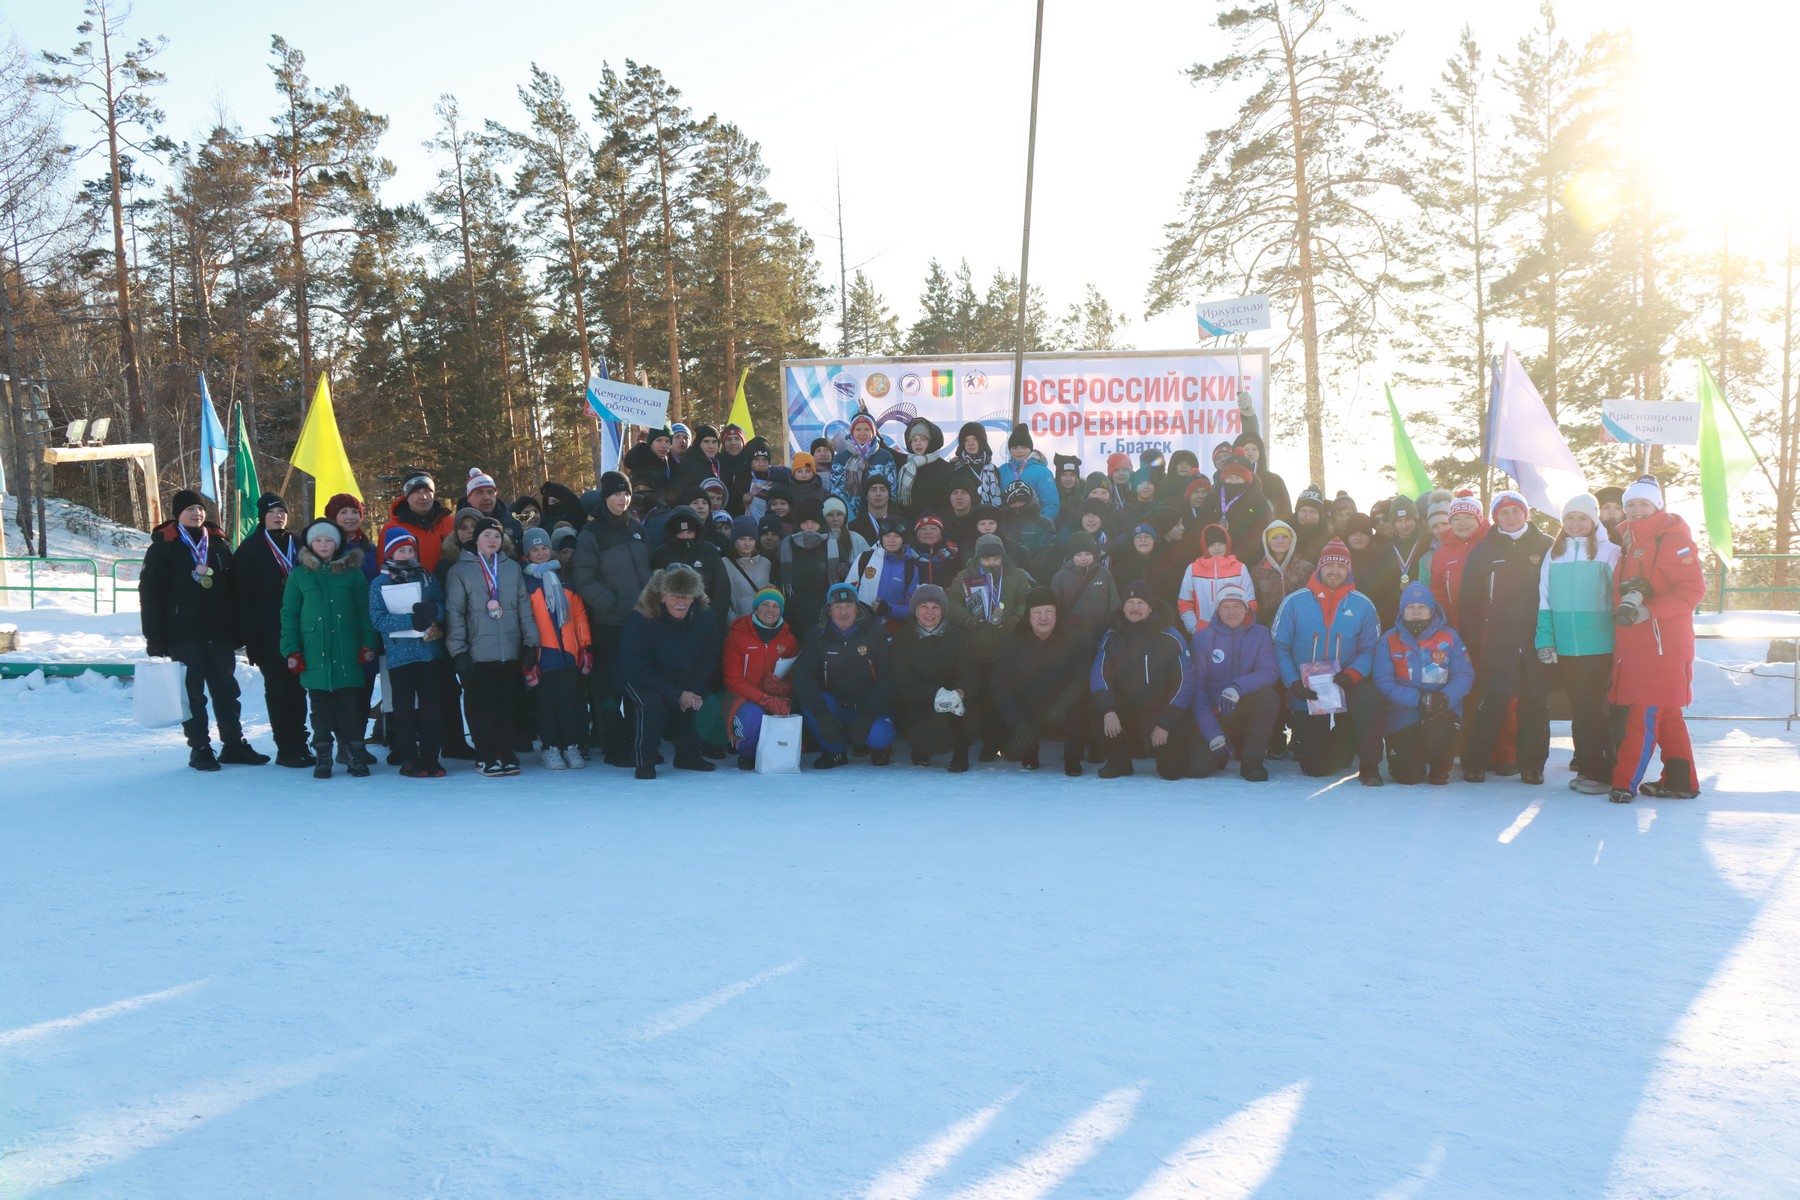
pixel 410 572
pixel 868 588
pixel 555 599
pixel 909 471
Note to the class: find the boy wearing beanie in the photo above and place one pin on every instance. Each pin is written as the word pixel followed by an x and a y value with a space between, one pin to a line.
pixel 418 666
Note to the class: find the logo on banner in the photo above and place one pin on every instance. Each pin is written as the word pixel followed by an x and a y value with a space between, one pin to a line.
pixel 845 386
pixel 877 385
pixel 975 381
pixel 943 383
pixel 910 384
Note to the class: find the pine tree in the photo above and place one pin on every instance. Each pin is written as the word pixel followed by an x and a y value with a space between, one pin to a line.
pixel 1094 324
pixel 870 330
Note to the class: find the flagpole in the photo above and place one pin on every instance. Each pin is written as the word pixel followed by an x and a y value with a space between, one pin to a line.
pixel 1037 54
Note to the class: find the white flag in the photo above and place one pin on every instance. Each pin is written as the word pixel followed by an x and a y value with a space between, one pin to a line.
pixel 1523 441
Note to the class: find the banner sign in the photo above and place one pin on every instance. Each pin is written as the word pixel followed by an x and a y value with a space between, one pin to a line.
pixel 1650 422
pixel 1091 405
pixel 1240 314
pixel 627 402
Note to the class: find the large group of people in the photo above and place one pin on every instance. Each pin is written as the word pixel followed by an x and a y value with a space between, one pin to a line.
pixel 970 604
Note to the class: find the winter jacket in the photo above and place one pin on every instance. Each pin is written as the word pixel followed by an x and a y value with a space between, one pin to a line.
pixel 852 666
pixel 1407 667
pixel 259 572
pixel 429 530
pixel 660 656
pixel 751 653
pixel 1653 660
pixel 1143 669
pixel 1318 623
pixel 1395 567
pixel 325 618
pixel 852 469
pixel 368 554
pixel 1043 682
pixel 923 664
pixel 1201 583
pixel 174 609
pixel 1030 541
pixel 747 576
pixel 404 651
pixel 706 561
pixel 560 644
pixel 1275 581
pixel 1037 475
pixel 1443 568
pixel 923 479
pixel 885 579
pixel 1244 512
pixel 611 567
pixel 980 464
pixel 1162 569
pixel 806 565
pixel 987 606
pixel 562 504
pixel 1087 598
pixel 1575 597
pixel 1241 658
pixel 1499 608
pixel 940 566
pixel 484 638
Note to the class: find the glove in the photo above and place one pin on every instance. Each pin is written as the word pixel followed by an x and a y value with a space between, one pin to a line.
pixel 532 678
pixel 775 706
pixel 882 609
pixel 1303 692
pixel 424 616
pixel 1346 679
pixel 1434 704
pixel 528 657
pixel 947 701
pixel 584 660
pixel 1547 655
pixel 1219 745
pixel 464 664
pixel 1244 405
pixel 366 656
pixel 776 686
pixel 1228 699
pixel 296 662
pixel 156 649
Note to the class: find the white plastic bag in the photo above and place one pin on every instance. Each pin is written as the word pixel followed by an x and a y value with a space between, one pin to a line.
pixel 778 746
pixel 159 693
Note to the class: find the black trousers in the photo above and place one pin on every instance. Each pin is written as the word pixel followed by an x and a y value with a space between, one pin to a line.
pixel 337 714
pixel 1425 745
pixel 929 732
pixel 1248 726
pixel 561 707
pixel 1072 730
pixel 1134 742
pixel 654 717
pixel 490 697
pixel 286 700
pixel 211 668
pixel 415 727
pixel 1492 695
pixel 450 712
pixel 986 717
pixel 1324 744
pixel 611 732
pixel 1587 680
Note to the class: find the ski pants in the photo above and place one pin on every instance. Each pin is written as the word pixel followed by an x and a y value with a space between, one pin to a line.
pixel 1134 741
pixel 337 714
pixel 211 668
pixel 654 717
pixel 1653 727
pixel 1492 700
pixel 847 718
pixel 1327 743
pixel 490 696
pixel 1428 744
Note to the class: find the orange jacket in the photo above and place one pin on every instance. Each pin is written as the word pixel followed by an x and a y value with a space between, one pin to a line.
pixel 558 648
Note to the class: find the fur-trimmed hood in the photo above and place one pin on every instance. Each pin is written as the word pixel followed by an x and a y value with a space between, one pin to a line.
pixel 351 561
pixel 671 581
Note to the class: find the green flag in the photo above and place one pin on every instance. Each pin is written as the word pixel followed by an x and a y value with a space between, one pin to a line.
pixel 1726 456
pixel 1410 477
pixel 244 484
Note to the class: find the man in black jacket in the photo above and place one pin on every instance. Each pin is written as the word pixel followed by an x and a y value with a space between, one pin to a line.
pixel 845 682
pixel 1040 683
pixel 685 541
pixel 934 687
pixel 185 603
pixel 1499 603
pixel 259 571
pixel 668 652
pixel 1142 686
pixel 610 571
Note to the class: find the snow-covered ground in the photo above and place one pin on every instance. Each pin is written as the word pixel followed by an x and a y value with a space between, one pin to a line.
pixel 890 983
pixel 75 532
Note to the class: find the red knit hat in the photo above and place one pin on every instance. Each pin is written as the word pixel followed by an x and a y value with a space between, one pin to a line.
pixel 1335 551
pixel 1117 462
pixel 340 502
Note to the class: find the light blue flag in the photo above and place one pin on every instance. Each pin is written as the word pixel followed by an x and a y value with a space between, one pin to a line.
pixel 215 450
pixel 612 433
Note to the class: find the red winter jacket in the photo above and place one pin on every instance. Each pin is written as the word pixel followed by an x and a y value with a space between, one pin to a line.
pixel 749 664
pixel 1448 558
pixel 1653 661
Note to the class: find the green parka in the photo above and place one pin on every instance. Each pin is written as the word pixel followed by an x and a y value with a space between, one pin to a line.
pixel 325 616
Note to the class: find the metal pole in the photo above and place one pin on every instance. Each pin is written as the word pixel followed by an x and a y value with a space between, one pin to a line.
pixel 1037 55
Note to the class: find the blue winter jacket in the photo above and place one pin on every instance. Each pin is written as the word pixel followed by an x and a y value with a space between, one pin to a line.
pixel 1243 658
pixel 1303 634
pixel 1406 667
pixel 1142 669
pixel 404 651
pixel 1043 484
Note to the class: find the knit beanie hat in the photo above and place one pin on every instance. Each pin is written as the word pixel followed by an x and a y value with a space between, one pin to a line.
pixel 185 499
pixel 535 538
pixel 1402 506
pixel 326 529
pixel 1020 438
pixel 268 502
pixel 841 593
pixel 833 503
pixel 1117 462
pixel 743 527
pixel 678 427
pixel 1438 508
pixel 928 519
pixel 1510 499
pixel 989 546
pixel 1066 462
pixel 1140 589
pixel 1610 495
pixel 1231 591
pixel 1313 496
pixel 1466 502
pixel 478 479
pixel 1038 597
pixel 415 481
pixel 339 503
pixel 704 432
pixel 820 443
pixel 1080 542
pixel 1335 552
pixel 611 484
pixel 802 459
pixel 471 514
pixel 396 537
pixel 563 537
pixel 756 602
pixel 1584 504
pixel 1645 488
pixel 1145 527
pixel 1199 483
pixel 929 593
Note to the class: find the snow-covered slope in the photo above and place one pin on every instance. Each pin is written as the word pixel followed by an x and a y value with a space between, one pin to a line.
pixel 75 532
pixel 892 983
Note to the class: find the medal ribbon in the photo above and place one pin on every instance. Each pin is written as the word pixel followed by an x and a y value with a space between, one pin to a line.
pixel 197 549
pixel 283 558
pixel 493 575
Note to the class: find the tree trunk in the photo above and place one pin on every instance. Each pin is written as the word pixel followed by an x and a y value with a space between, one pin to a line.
pixel 1785 465
pixel 1309 312
pixel 671 297
pixel 22 464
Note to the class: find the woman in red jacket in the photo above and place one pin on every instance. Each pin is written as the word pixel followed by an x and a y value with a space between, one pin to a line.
pixel 754 645
pixel 1658 583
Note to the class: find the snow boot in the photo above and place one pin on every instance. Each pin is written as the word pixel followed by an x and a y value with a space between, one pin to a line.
pixel 645 772
pixel 1529 776
pixel 1677 782
pixel 322 764
pixel 959 761
pixel 243 754
pixel 358 769
pixel 1474 775
pixel 746 762
pixel 1072 763
pixel 1370 776
pixel 1117 768
pixel 880 758
pixel 201 758
pixel 829 760
pixel 695 762
pixel 1253 770
pixel 1620 796
pixel 1590 787
pixel 1439 776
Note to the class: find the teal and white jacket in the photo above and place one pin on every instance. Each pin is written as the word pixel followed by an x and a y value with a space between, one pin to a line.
pixel 1575 597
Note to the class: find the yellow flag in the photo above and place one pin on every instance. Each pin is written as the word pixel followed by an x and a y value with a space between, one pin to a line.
pixel 320 451
pixel 740 409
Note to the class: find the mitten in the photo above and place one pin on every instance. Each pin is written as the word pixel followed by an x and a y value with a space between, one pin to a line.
pixel 1346 679
pixel 1219 744
pixel 296 662
pixel 775 706
pixel 531 676
pixel 1229 696
pixel 365 656
pixel 882 609
pixel 464 664
pixel 777 686
pixel 424 616
pixel 156 649
pixel 1302 691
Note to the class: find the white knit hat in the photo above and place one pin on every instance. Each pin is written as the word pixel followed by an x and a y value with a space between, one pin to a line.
pixel 1466 502
pixel 1584 504
pixel 1646 488
pixel 479 478
pixel 1504 498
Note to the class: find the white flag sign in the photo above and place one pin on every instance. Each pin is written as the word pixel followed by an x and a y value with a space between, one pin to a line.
pixel 627 402
pixel 1240 314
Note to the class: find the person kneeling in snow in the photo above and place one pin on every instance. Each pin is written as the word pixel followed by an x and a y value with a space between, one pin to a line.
pixel 756 644
pixel 933 682
pixel 1040 687
pixel 668 652
pixel 1143 685
pixel 1423 673
pixel 1235 700
pixel 845 682
pixel 1329 620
